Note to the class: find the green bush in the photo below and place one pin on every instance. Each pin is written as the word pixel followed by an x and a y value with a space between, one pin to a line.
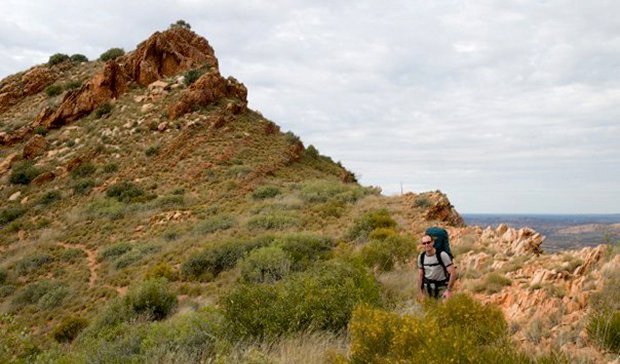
pixel 323 191
pixel 3 276
pixel 604 320
pixel 273 221
pixel 10 214
pixel 370 221
pixel 24 173
pixel 83 186
pixel 459 330
pixel 214 223
pixel 385 254
pixel 264 192
pixel 114 251
pixel 53 90
pixel 83 170
pixel 72 85
pixel 181 24
pixel 50 197
pixel 108 208
pixel 304 249
pixel 111 53
pixel 57 58
pixel 110 168
pixel 78 58
pixel 152 299
pixel 40 130
pixel 319 299
pixel 103 110
pixel 32 263
pixel 312 152
pixel 46 294
pixel 192 75
pixel 162 270
pixel 69 328
pixel 125 192
pixel 152 150
pixel 217 258
pixel 265 265
pixel 127 259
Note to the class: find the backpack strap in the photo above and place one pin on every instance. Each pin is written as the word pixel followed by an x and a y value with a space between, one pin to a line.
pixel 443 265
pixel 422 255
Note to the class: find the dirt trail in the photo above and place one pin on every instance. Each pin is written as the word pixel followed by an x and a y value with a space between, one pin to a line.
pixel 91 259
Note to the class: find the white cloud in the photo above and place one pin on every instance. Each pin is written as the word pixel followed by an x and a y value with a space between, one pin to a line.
pixel 506 106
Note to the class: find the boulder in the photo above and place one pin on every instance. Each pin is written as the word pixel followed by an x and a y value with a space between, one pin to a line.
pixel 36 146
pixel 43 178
pixel 6 163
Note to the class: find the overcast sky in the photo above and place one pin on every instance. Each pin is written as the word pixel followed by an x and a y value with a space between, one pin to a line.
pixel 506 106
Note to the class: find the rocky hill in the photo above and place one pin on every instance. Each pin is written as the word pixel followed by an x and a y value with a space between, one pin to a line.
pixel 146 178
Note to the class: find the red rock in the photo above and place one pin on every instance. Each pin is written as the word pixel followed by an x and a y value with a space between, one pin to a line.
pixel 43 178
pixel 18 86
pixel 36 146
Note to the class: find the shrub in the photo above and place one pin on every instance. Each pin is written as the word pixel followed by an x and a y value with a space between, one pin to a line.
pixel 108 208
pixel 57 58
pixel 103 110
pixel 384 254
pixel 320 299
pixel 322 191
pixel 111 53
pixel 125 192
pixel 152 299
pixel 264 192
pixel 273 221
pixel 127 259
pixel 110 168
pixel 152 150
pixel 32 263
pixel 3 276
pixel 162 270
pixel 494 282
pixel 191 76
pixel 71 85
pixel 10 214
pixel 53 298
pixel 114 251
pixel 40 130
pixel 370 221
pixel 604 320
pixel 217 258
pixel 78 58
pixel 181 24
pixel 305 249
pixel 53 90
pixel 170 201
pixel 214 223
pixel 50 197
pixel 265 265
pixel 458 330
pixel 312 152
pixel 83 170
pixel 83 187
pixel 24 173
pixel 69 328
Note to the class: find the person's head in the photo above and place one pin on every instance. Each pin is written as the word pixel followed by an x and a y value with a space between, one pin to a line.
pixel 427 243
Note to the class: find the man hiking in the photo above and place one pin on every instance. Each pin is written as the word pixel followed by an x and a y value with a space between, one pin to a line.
pixel 436 271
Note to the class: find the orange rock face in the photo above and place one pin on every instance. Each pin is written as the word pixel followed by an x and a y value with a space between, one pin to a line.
pixel 35 147
pixel 15 87
pixel 163 54
pixel 209 88
pixel 168 53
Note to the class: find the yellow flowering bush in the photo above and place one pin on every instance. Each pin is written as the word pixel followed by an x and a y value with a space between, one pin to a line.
pixel 459 330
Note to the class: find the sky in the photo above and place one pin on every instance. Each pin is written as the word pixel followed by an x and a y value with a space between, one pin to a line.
pixel 505 106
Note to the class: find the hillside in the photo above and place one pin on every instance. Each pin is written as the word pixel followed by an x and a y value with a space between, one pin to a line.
pixel 148 215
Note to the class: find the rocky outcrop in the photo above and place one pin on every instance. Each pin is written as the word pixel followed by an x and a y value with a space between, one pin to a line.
pixel 209 88
pixel 515 241
pixel 5 164
pixel 36 146
pixel 163 54
pixel 16 87
pixel 166 54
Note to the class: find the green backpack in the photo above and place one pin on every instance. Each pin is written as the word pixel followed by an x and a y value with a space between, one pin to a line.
pixel 442 241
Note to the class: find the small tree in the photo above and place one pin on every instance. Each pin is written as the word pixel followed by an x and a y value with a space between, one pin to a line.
pixel 181 24
pixel 57 58
pixel 111 53
pixel 78 58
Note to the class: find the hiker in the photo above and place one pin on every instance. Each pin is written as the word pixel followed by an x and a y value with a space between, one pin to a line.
pixel 437 272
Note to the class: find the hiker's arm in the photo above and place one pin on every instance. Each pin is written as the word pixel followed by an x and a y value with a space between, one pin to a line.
pixel 452 270
pixel 420 280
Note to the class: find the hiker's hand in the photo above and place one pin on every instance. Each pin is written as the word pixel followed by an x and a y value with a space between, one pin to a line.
pixel 447 293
